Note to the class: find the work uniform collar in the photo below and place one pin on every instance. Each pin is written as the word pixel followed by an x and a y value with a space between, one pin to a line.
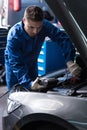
pixel 24 32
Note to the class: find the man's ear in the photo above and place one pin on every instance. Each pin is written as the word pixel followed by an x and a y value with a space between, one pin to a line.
pixel 23 19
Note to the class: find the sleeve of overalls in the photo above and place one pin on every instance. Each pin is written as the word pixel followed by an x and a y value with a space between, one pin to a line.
pixel 18 67
pixel 63 40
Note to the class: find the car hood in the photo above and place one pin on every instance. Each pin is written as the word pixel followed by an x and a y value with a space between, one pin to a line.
pixel 72 15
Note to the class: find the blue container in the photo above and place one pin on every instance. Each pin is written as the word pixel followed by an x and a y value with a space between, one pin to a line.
pixel 50 58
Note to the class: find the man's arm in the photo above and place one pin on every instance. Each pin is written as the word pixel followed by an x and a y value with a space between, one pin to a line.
pixel 66 45
pixel 17 64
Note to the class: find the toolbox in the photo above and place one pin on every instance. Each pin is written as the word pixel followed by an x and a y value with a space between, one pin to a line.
pixel 2 48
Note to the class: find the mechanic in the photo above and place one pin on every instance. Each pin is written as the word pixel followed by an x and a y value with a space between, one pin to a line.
pixel 24 42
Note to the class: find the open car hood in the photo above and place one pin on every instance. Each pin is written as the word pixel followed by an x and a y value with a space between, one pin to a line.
pixel 72 15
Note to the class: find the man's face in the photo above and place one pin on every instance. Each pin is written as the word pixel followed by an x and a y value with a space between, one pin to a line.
pixel 32 27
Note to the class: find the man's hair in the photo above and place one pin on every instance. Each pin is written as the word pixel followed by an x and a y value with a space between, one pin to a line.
pixel 33 13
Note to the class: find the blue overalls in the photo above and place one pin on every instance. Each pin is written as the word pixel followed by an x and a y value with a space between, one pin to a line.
pixel 22 52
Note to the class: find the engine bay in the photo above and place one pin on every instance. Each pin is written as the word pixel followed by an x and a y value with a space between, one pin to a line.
pixel 71 86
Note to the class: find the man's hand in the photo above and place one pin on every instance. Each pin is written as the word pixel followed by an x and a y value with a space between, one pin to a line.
pixel 74 68
pixel 36 86
pixel 44 84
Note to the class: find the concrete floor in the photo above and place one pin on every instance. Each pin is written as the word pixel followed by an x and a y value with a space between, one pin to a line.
pixel 3 100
